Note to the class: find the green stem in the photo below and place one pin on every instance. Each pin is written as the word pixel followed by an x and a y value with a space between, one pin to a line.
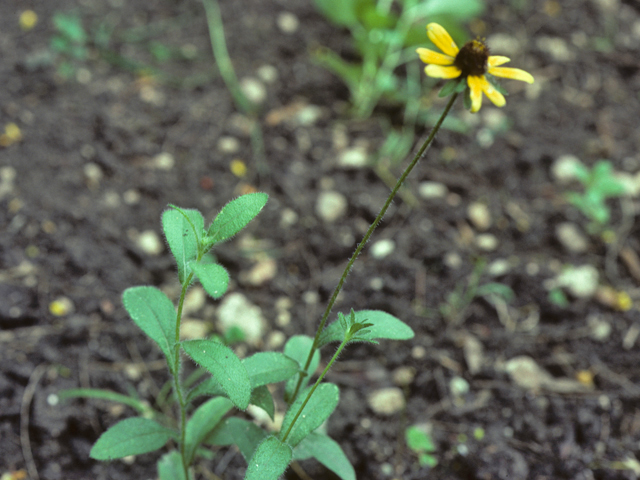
pixel 427 143
pixel 313 389
pixel 176 376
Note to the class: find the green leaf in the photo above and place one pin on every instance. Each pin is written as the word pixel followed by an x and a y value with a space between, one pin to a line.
pixel 449 87
pixel 383 326
pixel 225 366
pixel 261 397
pixel 458 9
pixel 270 367
pixel 271 459
pixel 327 451
pixel 419 441
pixel 133 436
pixel 202 422
pixel 170 466
pixel 137 404
pixel 183 229
pixel 298 347
pixel 70 26
pixel 467 99
pixel 238 431
pixel 210 387
pixel 350 73
pixel 492 289
pixel 213 277
pixel 236 214
pixel 154 313
pixel 340 12
pixel 319 407
pixel 496 84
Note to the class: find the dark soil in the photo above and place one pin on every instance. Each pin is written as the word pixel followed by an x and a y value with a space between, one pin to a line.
pixel 66 232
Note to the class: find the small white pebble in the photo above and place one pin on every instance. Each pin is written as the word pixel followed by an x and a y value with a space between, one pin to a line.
pixel 149 242
pixel 382 248
pixel 287 22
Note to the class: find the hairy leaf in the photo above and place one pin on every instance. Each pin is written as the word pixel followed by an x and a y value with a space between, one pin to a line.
pixel 270 367
pixel 320 406
pixel 154 313
pixel 170 467
pixel 270 460
pixel 238 431
pixel 132 436
pixel 183 229
pixel 236 214
pixel 213 277
pixel 327 452
pixel 203 420
pixel 225 366
pixel 383 326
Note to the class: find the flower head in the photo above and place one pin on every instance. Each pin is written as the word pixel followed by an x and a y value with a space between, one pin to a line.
pixel 472 62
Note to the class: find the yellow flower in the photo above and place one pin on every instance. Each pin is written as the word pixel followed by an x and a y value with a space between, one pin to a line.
pixel 472 62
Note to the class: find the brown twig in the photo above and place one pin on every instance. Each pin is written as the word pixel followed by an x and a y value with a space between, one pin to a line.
pixel 27 397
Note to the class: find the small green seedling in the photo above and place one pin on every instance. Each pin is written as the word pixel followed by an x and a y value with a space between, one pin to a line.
pixel 69 43
pixel 422 445
pixel 599 185
pixel 454 310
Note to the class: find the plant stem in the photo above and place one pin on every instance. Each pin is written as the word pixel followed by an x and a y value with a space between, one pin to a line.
pixel 176 375
pixel 313 389
pixel 427 143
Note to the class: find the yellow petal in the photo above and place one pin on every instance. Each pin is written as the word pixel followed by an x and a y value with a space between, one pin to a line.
pixel 429 56
pixel 512 73
pixel 495 60
pixel 439 71
pixel 441 39
pixel 494 95
pixel 475 87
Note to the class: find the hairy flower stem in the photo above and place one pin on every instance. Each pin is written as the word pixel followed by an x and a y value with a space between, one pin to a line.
pixel 313 389
pixel 425 146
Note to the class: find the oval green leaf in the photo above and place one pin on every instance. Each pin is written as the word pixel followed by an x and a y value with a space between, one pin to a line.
pixel 170 467
pixel 383 326
pixel 202 422
pixel 270 460
pixel 319 407
pixel 154 313
pixel 225 366
pixel 238 431
pixel 133 436
pixel 235 215
pixel 327 451
pixel 178 225
pixel 269 367
pixel 213 277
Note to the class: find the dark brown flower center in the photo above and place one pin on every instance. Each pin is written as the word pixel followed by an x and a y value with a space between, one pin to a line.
pixel 472 58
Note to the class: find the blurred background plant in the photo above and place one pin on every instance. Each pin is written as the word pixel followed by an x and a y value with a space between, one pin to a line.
pixel 422 445
pixel 599 183
pixel 385 34
pixel 68 43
